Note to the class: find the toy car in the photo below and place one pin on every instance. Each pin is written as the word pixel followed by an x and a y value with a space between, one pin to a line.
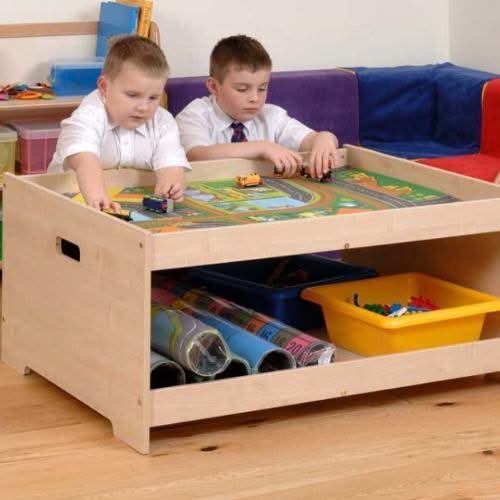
pixel 159 205
pixel 251 180
pixel 123 214
pixel 304 172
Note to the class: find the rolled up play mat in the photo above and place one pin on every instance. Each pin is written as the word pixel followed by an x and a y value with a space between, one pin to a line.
pixel 165 372
pixel 193 344
pixel 237 367
pixel 263 356
pixel 306 349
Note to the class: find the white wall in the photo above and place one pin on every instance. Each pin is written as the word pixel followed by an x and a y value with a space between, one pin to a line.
pixel 475 34
pixel 28 59
pixel 302 34
pixel 299 34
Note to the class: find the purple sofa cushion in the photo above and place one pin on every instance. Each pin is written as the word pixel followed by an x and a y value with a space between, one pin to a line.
pixel 182 90
pixel 322 99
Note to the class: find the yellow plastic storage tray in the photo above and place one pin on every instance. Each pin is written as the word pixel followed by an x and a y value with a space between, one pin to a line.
pixel 459 318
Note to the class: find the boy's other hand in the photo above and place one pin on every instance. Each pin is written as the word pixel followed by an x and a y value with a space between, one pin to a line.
pixel 285 161
pixel 322 157
pixel 170 183
pixel 91 181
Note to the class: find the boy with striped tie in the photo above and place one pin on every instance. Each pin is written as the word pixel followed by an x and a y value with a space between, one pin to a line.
pixel 235 121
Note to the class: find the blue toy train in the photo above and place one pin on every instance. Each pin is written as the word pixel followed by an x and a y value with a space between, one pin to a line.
pixel 159 205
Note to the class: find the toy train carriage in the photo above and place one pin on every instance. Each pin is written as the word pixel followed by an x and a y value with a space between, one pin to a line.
pixel 245 181
pixel 158 205
pixel 123 214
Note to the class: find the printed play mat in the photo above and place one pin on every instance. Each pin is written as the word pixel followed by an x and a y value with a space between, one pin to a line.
pixel 215 203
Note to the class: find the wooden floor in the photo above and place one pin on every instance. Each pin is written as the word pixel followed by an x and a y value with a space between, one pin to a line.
pixel 435 441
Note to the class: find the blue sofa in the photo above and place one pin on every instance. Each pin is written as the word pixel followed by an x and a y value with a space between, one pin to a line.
pixel 427 111
pixel 422 111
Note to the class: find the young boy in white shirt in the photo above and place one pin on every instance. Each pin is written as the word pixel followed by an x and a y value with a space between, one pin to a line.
pixel 121 124
pixel 236 122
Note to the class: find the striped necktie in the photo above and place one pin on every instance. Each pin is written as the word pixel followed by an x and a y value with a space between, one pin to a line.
pixel 238 132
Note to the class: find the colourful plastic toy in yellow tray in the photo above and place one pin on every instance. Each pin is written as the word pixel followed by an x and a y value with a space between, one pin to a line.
pixel 459 319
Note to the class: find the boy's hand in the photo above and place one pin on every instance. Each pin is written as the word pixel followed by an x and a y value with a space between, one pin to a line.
pixel 285 161
pixel 170 183
pixel 102 203
pixel 322 157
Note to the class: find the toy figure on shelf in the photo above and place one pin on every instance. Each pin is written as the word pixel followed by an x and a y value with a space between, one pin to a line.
pixel 23 91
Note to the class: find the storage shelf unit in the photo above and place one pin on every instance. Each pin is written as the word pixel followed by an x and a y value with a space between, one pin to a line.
pixel 55 109
pixel 85 325
pixel 60 107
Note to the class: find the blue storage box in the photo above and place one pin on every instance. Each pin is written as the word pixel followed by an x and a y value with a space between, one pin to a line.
pixel 273 286
pixel 72 77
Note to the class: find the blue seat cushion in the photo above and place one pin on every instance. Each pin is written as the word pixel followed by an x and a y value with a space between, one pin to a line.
pixel 458 105
pixel 425 148
pixel 396 104
pixel 424 111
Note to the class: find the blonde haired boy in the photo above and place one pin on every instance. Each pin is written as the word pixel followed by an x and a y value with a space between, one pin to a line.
pixel 122 124
pixel 235 121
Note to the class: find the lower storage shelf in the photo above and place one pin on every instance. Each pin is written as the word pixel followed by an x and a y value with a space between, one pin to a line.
pixel 349 375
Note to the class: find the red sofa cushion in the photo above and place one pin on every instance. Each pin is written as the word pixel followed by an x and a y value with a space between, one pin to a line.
pixel 480 166
pixel 490 126
pixel 486 164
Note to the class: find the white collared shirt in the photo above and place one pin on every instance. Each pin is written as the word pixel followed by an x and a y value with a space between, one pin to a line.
pixel 153 145
pixel 203 123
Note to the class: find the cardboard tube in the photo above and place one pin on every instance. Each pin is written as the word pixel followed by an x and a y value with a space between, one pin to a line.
pixel 188 341
pixel 260 354
pixel 165 372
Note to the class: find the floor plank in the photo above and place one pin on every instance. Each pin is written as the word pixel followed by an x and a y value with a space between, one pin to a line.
pixel 434 441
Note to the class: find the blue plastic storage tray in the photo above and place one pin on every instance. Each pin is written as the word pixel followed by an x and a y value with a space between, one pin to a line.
pixel 75 77
pixel 262 284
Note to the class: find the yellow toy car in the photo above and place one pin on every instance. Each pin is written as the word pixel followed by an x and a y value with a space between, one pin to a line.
pixel 252 180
